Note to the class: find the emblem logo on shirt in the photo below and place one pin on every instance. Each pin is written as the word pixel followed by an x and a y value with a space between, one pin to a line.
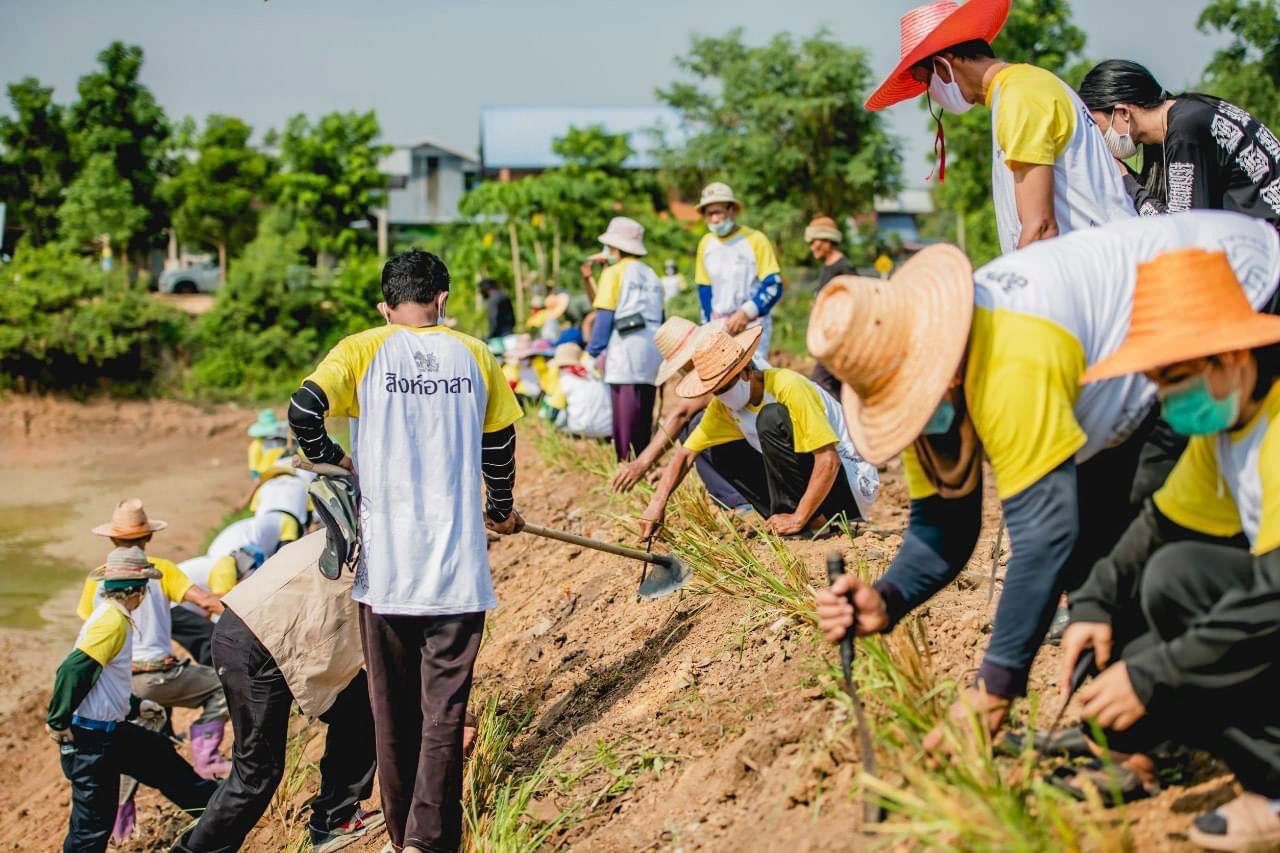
pixel 426 362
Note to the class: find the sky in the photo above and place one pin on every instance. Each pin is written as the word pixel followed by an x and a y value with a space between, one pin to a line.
pixel 428 67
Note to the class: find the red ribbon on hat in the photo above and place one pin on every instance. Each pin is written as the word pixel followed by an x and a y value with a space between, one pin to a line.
pixel 939 144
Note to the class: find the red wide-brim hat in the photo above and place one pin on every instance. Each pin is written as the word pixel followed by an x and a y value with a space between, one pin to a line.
pixel 933 28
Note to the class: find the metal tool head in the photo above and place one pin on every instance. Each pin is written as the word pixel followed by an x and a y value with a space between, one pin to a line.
pixel 666 575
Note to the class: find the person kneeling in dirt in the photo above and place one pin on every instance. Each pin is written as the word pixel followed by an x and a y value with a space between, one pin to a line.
pixel 778 438
pixel 580 404
pixel 290 634
pixel 946 363
pixel 90 704
pixel 157 674
pixel 1186 616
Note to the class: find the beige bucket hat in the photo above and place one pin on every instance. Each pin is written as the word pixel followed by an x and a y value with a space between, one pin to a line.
pixel 676 340
pixel 717 193
pixel 625 235
pixel 823 228
pixel 895 345
pixel 567 355
pixel 717 359
pixel 125 564
pixel 129 521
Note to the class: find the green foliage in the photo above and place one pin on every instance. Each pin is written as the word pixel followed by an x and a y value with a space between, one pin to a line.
pixel 1039 32
pixel 783 124
pixel 99 201
pixel 330 177
pixel 35 160
pixel 1246 71
pixel 214 196
pixel 118 117
pixel 67 326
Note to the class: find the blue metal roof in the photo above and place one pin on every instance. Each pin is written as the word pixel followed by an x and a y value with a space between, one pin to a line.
pixel 521 137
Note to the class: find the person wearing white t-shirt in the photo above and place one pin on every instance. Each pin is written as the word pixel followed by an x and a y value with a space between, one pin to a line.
pixel 582 402
pixel 432 418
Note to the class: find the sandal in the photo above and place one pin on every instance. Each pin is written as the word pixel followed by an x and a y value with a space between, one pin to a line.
pixel 1114 783
pixel 1249 822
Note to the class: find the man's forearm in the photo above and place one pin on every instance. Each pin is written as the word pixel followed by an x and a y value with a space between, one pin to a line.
pixel 307 408
pixel 203 599
pixel 826 466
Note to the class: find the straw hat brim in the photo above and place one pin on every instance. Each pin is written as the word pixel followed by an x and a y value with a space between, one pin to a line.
pixel 683 354
pixel 111 531
pixel 694 385
pixel 557 304
pixel 731 200
pixel 102 573
pixel 942 308
pixel 622 244
pixel 1137 355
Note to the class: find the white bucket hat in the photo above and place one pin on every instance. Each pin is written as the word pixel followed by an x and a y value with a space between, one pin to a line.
pixel 625 235
pixel 717 193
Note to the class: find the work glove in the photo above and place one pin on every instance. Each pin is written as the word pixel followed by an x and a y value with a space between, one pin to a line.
pixel 152 714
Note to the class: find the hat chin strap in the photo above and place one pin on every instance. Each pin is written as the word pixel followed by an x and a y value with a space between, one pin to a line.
pixel 939 142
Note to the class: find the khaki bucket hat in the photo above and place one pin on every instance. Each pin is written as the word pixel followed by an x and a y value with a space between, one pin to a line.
pixel 823 228
pixel 717 193
pixel 895 345
pixel 129 521
pixel 717 359
pixel 676 340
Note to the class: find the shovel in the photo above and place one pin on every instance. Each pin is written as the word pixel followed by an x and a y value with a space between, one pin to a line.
pixel 667 575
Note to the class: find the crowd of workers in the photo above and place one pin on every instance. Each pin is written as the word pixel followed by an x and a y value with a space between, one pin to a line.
pixel 1115 368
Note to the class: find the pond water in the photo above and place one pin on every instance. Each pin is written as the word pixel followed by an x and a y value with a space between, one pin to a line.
pixel 29 576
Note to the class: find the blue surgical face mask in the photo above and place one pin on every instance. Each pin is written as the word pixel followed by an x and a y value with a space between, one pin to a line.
pixel 942 418
pixel 723 227
pixel 1193 410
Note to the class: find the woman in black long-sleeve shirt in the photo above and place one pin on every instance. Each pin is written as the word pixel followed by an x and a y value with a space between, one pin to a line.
pixel 1198 151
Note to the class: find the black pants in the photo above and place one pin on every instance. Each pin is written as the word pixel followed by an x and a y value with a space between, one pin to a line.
pixel 193 632
pixel 259 701
pixel 1237 719
pixel 94 765
pixel 774 480
pixel 419 683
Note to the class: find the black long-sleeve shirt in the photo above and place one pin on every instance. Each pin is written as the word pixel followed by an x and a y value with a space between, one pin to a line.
pixel 501 316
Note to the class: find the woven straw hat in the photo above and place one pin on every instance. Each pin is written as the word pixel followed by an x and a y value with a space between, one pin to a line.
pixel 676 340
pixel 125 564
pixel 823 228
pixel 1187 304
pixel 557 304
pixel 894 344
pixel 129 521
pixel 625 235
pixel 930 29
pixel 718 358
pixel 567 355
pixel 717 193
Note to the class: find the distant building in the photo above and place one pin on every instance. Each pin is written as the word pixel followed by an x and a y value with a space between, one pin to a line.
pixel 425 180
pixel 899 217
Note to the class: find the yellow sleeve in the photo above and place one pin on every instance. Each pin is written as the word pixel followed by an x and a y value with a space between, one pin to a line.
pixel 84 607
pixel 1269 471
pixel 609 288
pixel 223 576
pixel 105 637
pixel 1035 117
pixel 289 529
pixel 1021 386
pixel 554 390
pixel 255 457
pixel 918 485
pixel 1194 495
pixel 766 258
pixel 340 372
pixel 716 427
pixel 700 274
pixel 173 580
pixel 809 425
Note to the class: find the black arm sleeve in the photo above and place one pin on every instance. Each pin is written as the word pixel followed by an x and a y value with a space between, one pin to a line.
pixel 306 418
pixel 498 463
pixel 1145 202
pixel 1193 169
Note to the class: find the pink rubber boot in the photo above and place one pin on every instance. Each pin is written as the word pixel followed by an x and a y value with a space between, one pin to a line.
pixel 205 740
pixel 126 819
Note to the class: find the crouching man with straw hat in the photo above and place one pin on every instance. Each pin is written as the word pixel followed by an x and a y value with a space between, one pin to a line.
pixel 91 701
pixel 1184 613
pixel 948 364
pixel 779 439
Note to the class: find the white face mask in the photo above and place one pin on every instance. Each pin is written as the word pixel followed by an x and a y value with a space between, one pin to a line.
pixel 947 95
pixel 1121 145
pixel 737 395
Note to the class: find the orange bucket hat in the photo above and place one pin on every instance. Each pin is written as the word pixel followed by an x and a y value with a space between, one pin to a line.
pixel 894 344
pixel 719 358
pixel 1187 304
pixel 930 29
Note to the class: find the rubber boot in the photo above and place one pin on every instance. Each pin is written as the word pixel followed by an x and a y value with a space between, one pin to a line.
pixel 126 819
pixel 205 740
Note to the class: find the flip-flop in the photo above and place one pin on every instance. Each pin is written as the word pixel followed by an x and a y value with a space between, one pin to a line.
pixel 1115 784
pixel 1249 822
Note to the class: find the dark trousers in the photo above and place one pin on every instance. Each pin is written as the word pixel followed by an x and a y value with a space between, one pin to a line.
pixel 259 701
pixel 94 763
pixel 720 489
pixel 774 480
pixel 419 682
pixel 632 418
pixel 1236 720
pixel 193 632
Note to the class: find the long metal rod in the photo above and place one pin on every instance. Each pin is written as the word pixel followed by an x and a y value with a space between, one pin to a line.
pixel 595 544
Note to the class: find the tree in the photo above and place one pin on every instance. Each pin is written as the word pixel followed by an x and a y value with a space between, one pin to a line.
pixel 1246 71
pixel 35 159
pixel 99 201
pixel 330 177
pixel 1039 32
pixel 784 125
pixel 118 117
pixel 214 196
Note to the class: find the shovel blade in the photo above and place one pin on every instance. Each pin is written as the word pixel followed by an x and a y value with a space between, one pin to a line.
pixel 666 575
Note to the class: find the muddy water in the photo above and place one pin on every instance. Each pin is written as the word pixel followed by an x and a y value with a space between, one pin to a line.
pixel 29 575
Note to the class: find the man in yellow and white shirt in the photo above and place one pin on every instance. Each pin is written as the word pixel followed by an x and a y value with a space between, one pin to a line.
pixel 432 417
